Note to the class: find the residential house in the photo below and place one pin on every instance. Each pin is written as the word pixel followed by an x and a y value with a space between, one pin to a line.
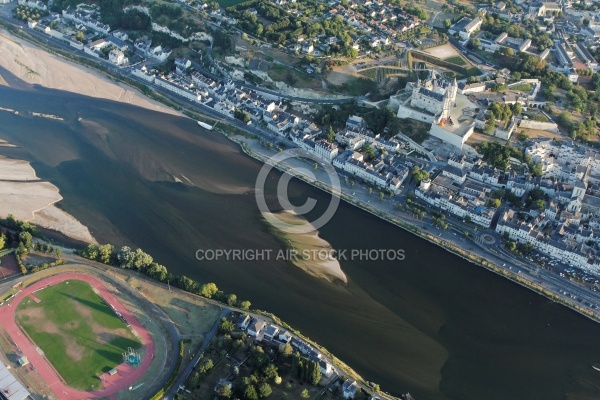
pixel 117 57
pixel 270 332
pixel 350 389
pixel 256 327
pixel 284 336
pixel 244 321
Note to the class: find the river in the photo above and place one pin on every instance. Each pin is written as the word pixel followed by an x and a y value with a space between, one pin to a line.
pixel 432 324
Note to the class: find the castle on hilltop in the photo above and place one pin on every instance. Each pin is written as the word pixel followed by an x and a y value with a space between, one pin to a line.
pixel 434 101
pixel 435 95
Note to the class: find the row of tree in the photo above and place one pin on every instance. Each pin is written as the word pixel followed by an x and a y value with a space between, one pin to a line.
pixel 143 262
pixel 305 369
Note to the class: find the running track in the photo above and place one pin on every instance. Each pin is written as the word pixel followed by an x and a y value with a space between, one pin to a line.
pixel 126 375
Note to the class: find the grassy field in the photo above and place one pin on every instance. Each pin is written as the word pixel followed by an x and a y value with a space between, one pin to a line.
pixel 192 315
pixel 524 87
pixel 80 334
pixel 229 3
pixel 458 60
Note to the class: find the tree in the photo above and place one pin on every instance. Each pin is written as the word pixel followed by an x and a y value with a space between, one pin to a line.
pixel 21 250
pixel 141 260
pixel 245 305
pixel 231 300
pixel 447 23
pixel 287 350
pixel 499 87
pixel 305 394
pixel 187 284
pixel 241 115
pixel 105 253
pixel 124 257
pixel 517 108
pixel 226 326
pixel 369 151
pixel 330 134
pixel 270 371
pixel 314 373
pixel 205 366
pixel 26 239
pixel 536 193
pixel 2 240
pixel 250 393
pixel 158 272
pixel 473 44
pixel 224 391
pixel 495 203
pixel 419 174
pixel 525 248
pixel 511 246
pixel 208 290
pixel 536 169
pixel 498 194
pixel 539 204
pixel 90 252
pixel 264 390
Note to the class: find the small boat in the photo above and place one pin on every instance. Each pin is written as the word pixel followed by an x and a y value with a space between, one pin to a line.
pixel 205 126
pixel 596 368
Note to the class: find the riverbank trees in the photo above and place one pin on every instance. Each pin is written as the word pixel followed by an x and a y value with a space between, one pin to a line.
pixel 138 260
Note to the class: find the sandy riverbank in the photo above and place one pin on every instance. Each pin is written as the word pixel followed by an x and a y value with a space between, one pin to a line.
pixel 313 254
pixel 26 197
pixel 21 192
pixel 36 66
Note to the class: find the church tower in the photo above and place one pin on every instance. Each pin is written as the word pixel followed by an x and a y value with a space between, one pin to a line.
pixel 446 105
pixel 453 92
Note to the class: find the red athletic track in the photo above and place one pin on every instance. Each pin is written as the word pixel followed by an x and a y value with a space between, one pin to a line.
pixel 126 375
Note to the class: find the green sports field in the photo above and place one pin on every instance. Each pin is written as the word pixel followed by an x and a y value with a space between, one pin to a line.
pixel 80 334
pixel 229 3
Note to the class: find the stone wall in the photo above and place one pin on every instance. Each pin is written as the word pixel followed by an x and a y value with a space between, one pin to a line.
pixel 543 126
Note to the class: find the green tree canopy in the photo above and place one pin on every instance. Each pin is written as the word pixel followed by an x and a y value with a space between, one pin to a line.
pixel 208 290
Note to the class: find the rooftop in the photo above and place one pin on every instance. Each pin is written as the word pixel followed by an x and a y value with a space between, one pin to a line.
pixel 10 387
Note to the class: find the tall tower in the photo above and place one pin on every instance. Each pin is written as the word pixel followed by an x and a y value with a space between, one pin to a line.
pixel 454 92
pixel 447 103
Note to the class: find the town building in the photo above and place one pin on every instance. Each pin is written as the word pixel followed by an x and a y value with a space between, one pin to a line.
pixel 465 27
